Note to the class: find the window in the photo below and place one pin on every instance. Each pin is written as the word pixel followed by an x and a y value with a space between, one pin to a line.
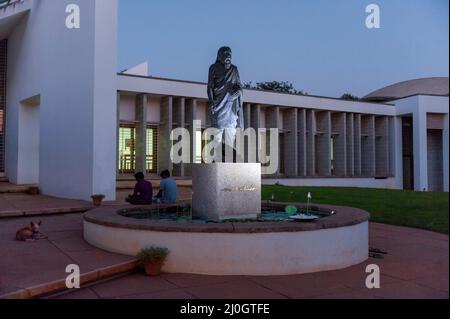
pixel 127 153
pixel 152 150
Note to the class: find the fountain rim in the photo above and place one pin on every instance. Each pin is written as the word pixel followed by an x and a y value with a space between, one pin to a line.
pixel 109 216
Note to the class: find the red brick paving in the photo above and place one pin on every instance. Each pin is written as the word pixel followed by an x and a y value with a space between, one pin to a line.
pixel 417 266
pixel 27 264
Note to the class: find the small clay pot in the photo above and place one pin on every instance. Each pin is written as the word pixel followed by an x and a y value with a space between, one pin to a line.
pixel 153 269
pixel 97 200
pixel 33 191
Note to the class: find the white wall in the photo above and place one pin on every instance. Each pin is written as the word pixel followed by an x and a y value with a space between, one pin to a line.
pixel 127 108
pixel 419 106
pixel 257 254
pixel 28 163
pixel 154 109
pixel 74 73
pixel 445 152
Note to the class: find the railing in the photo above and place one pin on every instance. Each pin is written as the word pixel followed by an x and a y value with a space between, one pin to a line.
pixel 127 164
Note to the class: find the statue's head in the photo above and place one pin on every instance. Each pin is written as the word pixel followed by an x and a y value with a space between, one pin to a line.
pixel 224 56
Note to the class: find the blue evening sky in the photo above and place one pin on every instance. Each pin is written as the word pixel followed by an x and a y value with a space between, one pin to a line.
pixel 322 46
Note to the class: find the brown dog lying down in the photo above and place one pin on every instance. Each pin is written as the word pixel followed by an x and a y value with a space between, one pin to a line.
pixel 30 233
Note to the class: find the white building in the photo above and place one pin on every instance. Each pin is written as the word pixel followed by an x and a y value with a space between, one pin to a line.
pixel 71 124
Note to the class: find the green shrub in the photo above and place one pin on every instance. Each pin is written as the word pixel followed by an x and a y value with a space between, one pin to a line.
pixel 152 255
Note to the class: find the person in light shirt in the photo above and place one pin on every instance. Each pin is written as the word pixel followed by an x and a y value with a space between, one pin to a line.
pixel 168 189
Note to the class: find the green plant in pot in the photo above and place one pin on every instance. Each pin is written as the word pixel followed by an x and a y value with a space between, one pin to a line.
pixel 152 258
pixel 97 199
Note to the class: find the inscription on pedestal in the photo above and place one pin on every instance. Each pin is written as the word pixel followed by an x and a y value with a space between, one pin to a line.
pixel 225 191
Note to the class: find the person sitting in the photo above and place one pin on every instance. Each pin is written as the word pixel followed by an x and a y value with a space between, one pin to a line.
pixel 143 191
pixel 168 189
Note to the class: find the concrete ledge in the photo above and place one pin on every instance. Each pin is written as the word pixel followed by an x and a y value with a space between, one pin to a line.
pixel 109 216
pixel 42 212
pixel 255 248
pixel 56 286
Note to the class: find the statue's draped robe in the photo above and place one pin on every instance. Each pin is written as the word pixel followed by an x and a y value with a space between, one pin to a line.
pixel 227 111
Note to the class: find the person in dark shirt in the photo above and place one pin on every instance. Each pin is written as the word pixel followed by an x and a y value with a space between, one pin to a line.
pixel 143 191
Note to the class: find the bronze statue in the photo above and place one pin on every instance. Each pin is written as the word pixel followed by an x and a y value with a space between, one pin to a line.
pixel 225 95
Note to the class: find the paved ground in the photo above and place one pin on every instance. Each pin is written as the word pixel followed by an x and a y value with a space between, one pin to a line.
pixel 27 264
pixel 417 267
pixel 24 265
pixel 20 204
pixel 17 204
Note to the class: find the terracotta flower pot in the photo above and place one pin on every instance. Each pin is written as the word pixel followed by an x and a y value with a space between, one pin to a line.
pixel 97 200
pixel 33 191
pixel 153 269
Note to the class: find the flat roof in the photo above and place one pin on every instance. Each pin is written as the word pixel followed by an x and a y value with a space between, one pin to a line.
pixel 256 90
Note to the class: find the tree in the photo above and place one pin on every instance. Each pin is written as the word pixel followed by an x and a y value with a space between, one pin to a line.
pixel 349 97
pixel 274 86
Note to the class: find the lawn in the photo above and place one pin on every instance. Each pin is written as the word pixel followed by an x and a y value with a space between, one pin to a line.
pixel 395 207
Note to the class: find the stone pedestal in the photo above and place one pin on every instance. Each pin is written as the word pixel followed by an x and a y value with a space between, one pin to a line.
pixel 223 191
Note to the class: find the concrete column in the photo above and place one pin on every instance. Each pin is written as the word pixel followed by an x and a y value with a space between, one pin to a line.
pixel 247 115
pixel 382 146
pixel 141 133
pixel 255 122
pixel 420 150
pixel 272 121
pixel 190 116
pixel 118 131
pixel 291 142
pixel 302 160
pixel 357 144
pixel 396 150
pixel 179 120
pixel 323 140
pixel 165 145
pixel 339 132
pixel 350 144
pixel 368 145
pixel 445 151
pixel 311 142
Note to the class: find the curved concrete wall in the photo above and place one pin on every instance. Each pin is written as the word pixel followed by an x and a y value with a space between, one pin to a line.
pixel 242 254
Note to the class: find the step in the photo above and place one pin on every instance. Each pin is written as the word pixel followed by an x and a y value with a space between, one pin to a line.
pixel 43 212
pixel 7 188
pixel 59 286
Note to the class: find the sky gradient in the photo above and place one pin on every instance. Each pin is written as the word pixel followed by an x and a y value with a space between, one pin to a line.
pixel 323 46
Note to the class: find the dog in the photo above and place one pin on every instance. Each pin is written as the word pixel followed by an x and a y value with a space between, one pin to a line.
pixel 30 233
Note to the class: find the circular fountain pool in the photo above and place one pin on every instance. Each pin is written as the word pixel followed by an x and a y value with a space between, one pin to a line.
pixel 274 244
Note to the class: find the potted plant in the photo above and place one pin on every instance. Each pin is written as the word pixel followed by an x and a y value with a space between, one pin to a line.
pixel 152 258
pixel 33 190
pixel 97 199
